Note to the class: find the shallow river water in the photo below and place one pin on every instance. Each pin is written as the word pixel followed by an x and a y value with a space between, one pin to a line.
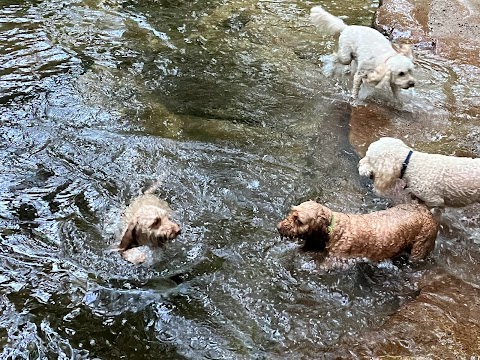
pixel 226 104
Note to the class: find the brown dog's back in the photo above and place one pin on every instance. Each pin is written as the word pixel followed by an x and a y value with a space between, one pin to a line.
pixel 385 234
pixel 377 236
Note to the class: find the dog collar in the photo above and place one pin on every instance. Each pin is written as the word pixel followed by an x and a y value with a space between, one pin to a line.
pixel 388 58
pixel 405 164
pixel 332 224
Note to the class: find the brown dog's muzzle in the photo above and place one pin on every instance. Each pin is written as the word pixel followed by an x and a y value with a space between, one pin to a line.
pixel 285 229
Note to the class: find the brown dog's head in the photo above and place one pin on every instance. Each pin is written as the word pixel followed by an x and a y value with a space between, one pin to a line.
pixel 308 221
pixel 149 226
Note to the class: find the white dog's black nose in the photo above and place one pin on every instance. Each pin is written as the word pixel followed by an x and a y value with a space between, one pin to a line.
pixel 411 83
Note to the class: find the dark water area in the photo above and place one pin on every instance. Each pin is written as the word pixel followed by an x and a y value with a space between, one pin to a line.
pixel 226 103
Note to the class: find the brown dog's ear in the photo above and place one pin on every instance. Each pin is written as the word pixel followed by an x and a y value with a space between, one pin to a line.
pixel 129 237
pixel 404 49
pixel 318 236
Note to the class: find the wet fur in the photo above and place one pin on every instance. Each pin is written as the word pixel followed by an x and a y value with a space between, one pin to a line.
pixel 378 63
pixel 147 222
pixel 437 180
pixel 376 236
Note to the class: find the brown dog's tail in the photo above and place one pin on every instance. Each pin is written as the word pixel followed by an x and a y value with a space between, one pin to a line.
pixel 326 22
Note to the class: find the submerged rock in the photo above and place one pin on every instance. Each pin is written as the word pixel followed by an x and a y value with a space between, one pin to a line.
pixel 443 322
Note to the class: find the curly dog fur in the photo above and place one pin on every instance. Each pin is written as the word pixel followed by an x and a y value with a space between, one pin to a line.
pixel 147 223
pixel 378 63
pixel 438 180
pixel 376 236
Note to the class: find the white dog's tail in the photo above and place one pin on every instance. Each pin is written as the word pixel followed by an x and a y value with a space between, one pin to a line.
pixel 326 22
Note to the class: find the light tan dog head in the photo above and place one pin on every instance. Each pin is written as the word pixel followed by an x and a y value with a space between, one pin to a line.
pixel 150 225
pixel 383 162
pixel 308 221
pixel 397 70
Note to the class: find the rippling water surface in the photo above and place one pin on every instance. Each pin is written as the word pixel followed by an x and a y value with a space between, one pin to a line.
pixel 224 101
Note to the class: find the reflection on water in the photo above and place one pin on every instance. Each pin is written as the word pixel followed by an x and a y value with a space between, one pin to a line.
pixel 227 103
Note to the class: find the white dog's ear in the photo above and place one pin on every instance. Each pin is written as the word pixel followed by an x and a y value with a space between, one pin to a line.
pixel 375 75
pixel 364 168
pixel 386 173
pixel 380 76
pixel 404 49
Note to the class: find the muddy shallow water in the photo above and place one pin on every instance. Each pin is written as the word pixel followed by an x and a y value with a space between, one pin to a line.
pixel 228 104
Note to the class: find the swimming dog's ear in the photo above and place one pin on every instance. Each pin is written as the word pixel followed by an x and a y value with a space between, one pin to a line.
pixel 380 76
pixel 129 237
pixel 404 49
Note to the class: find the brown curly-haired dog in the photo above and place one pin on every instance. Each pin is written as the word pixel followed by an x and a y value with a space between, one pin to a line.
pixel 377 236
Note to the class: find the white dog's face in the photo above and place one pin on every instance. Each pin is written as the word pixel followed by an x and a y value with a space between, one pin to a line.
pixel 401 68
pixel 365 169
pixel 383 162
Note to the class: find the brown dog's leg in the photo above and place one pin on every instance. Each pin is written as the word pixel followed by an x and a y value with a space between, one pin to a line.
pixel 316 245
pixel 422 248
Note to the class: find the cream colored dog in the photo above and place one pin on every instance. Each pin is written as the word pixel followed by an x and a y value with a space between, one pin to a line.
pixel 378 64
pixel 438 180
pixel 147 222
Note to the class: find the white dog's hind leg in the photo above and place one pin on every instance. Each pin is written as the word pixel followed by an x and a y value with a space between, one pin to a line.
pixel 358 78
pixel 344 56
pixel 345 66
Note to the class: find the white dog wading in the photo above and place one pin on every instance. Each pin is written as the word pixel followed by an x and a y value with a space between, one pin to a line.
pixel 438 180
pixel 378 64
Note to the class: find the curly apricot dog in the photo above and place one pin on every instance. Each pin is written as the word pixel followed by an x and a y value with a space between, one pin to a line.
pixel 147 223
pixel 376 236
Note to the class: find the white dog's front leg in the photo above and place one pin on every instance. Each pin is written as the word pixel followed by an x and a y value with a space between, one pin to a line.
pixel 357 81
pixel 434 201
pixel 395 91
